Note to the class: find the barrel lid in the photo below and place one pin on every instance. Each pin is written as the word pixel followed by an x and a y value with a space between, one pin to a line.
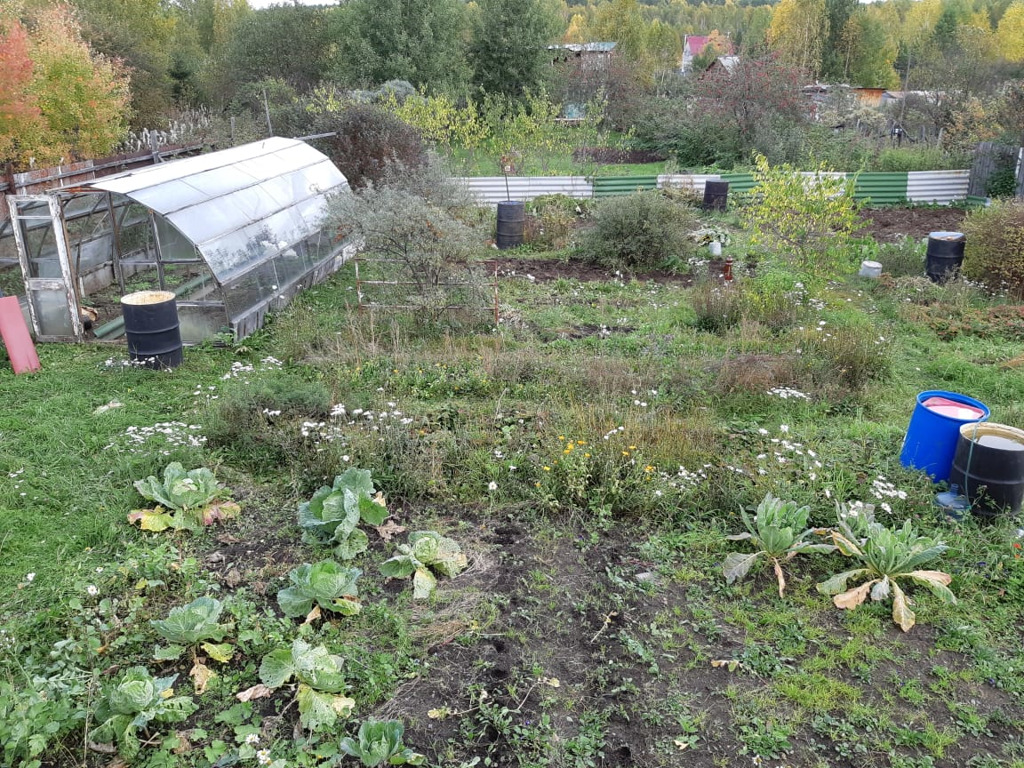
pixel 953 409
pixel 140 298
pixel 951 236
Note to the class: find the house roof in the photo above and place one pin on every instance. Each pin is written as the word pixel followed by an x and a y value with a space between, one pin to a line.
pixel 694 44
pixel 584 47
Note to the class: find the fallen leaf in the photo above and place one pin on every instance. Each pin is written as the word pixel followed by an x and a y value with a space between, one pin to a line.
pixel 233 578
pixel 681 744
pixel 216 557
pixel 259 691
pixel 105 749
pixel 732 664
pixel 390 529
pixel 184 745
pixel 438 714
pixel 201 676
pixel 312 615
pixel 227 538
pixel 552 681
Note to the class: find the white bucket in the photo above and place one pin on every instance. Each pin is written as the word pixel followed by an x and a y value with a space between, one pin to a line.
pixel 870 269
pixel 715 248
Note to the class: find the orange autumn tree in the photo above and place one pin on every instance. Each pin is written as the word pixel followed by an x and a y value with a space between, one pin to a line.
pixel 21 121
pixel 58 99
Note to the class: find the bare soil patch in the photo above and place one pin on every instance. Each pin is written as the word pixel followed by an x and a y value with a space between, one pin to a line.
pixel 889 224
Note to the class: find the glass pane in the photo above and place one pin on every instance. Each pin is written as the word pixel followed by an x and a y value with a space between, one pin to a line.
pixel 200 323
pixel 239 250
pixel 251 289
pixel 290 264
pixel 89 254
pixel 191 282
pixel 174 246
pixel 41 249
pixel 52 313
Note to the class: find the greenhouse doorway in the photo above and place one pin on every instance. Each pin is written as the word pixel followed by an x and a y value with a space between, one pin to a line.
pixel 38 225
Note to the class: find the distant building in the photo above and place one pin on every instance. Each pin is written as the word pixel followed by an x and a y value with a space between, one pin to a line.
pixel 588 52
pixel 726 63
pixel 694 45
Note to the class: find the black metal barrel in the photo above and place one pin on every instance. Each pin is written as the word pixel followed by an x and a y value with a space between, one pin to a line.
pixel 716 195
pixel 989 466
pixel 151 328
pixel 511 222
pixel 944 256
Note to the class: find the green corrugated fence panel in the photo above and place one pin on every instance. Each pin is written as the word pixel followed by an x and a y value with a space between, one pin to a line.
pixel 881 188
pixel 609 186
pixel 739 182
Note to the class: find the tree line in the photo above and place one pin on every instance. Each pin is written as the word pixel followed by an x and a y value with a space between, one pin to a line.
pixel 79 73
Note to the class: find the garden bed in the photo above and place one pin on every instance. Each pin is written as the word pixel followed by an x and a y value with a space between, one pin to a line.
pixel 589 456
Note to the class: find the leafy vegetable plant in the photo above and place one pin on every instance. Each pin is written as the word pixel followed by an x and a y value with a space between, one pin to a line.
pixel 779 532
pixel 426 551
pixel 330 586
pixel 380 741
pixel 887 558
pixel 134 702
pixel 320 680
pixel 334 512
pixel 191 625
pixel 185 500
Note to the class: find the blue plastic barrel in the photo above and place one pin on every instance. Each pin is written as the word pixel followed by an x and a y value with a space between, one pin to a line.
pixel 932 437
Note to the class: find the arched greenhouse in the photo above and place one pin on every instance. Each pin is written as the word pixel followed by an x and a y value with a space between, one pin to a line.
pixel 233 234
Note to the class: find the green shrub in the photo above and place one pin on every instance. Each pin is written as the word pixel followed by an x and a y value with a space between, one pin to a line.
pixel 847 357
pixel 808 220
pixel 994 254
pixel 246 419
pixel 718 307
pixel 906 159
pixel 551 219
pixel 367 141
pixel 639 232
pixel 902 258
pixel 774 299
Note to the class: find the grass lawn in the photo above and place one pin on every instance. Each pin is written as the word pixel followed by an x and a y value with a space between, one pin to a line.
pixel 589 456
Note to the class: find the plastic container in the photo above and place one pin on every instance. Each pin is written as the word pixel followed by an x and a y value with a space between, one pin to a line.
pixel 952 503
pixel 989 466
pixel 151 328
pixel 872 269
pixel 934 430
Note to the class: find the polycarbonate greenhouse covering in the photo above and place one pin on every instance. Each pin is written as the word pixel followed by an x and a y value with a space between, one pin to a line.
pixel 241 206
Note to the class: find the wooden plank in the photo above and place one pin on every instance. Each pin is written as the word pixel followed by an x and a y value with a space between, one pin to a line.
pixel 14 332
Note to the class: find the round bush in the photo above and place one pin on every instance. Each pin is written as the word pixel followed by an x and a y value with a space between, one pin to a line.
pixel 640 232
pixel 368 141
pixel 994 254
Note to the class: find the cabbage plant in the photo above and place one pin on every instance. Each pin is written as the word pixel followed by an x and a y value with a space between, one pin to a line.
pixel 320 682
pixel 134 702
pixel 887 558
pixel 185 500
pixel 332 516
pixel 326 585
pixel 380 742
pixel 779 533
pixel 426 552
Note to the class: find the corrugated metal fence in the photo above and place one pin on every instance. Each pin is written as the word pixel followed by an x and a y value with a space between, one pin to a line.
pixel 940 187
